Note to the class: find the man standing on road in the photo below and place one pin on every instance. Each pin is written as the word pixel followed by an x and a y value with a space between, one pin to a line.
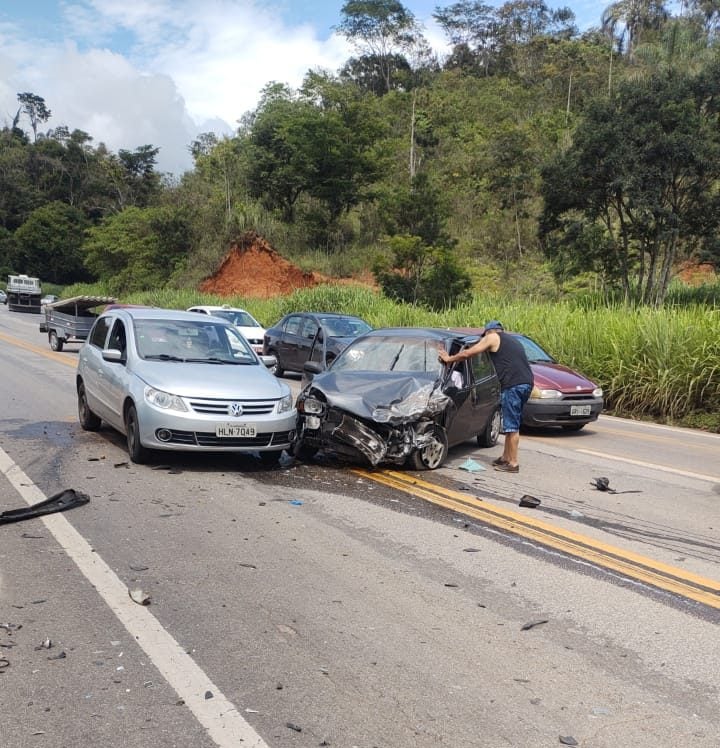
pixel 516 382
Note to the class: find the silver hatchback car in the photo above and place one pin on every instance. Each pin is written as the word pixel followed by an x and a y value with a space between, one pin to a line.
pixel 173 380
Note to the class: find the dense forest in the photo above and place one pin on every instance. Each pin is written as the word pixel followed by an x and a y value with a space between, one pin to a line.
pixel 531 160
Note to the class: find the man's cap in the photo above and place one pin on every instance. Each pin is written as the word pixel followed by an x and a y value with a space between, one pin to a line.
pixel 493 325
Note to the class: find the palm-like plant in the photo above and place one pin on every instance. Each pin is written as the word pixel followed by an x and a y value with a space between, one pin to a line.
pixel 634 17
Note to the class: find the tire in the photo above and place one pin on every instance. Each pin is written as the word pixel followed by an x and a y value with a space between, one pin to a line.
pixel 489 437
pixel 304 452
pixel 574 426
pixel 270 458
pixel 88 420
pixel 277 370
pixel 433 455
pixel 56 343
pixel 137 452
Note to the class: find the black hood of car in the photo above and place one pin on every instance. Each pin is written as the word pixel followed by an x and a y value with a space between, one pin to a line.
pixel 385 397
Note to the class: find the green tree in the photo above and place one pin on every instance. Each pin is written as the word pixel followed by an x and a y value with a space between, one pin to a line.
pixel 138 248
pixel 638 186
pixel 35 109
pixel 380 30
pixel 49 244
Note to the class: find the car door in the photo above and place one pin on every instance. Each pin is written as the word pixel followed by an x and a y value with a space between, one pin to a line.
pixel 116 384
pixel 289 340
pixel 308 334
pixel 478 399
pixel 92 366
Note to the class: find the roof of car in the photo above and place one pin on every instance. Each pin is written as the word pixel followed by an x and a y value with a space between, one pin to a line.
pixel 432 333
pixel 153 313
pixel 216 308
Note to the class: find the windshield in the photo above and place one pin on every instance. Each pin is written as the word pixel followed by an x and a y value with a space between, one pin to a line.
pixel 533 351
pixel 399 354
pixel 241 319
pixel 344 327
pixel 203 341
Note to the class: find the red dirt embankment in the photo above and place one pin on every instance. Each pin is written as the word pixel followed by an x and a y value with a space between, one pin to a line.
pixel 253 268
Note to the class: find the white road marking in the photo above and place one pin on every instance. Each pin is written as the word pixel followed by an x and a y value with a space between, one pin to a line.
pixel 217 715
pixel 652 465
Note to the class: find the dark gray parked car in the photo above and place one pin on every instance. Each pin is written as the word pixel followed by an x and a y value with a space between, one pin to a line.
pixel 310 336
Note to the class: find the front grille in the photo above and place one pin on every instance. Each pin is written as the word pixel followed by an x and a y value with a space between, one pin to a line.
pixel 208 439
pixel 579 396
pixel 222 407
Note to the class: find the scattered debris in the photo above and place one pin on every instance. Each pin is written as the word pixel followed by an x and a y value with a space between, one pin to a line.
pixel 10 627
pixel 532 624
pixel 121 464
pixel 575 514
pixel 471 550
pixel 208 695
pixel 59 502
pixel 296 502
pixel 139 567
pixel 529 501
pixel 139 597
pixel 47 644
pixel 603 484
pixel 293 726
pixel 451 584
pixel 4 663
pixel 247 566
pixel 58 656
pixel 471 466
pixel 567 740
pixel 33 537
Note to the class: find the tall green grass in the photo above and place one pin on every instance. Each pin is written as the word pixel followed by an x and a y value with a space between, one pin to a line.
pixel 662 364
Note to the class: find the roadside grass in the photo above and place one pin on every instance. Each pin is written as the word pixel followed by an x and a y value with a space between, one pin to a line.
pixel 660 364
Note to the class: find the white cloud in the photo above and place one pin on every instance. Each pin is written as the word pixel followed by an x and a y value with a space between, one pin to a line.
pixel 180 66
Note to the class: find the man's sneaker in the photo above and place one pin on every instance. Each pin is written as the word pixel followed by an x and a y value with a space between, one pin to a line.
pixel 499 461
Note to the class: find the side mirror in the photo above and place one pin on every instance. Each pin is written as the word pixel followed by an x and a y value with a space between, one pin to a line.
pixel 113 354
pixel 269 361
pixel 312 368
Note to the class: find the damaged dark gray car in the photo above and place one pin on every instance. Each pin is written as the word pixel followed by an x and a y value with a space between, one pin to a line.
pixel 387 399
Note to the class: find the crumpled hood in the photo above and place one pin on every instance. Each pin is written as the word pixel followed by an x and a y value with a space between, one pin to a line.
pixel 549 376
pixel 382 396
pixel 229 381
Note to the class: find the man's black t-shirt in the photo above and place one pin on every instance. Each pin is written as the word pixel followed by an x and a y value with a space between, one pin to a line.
pixel 511 363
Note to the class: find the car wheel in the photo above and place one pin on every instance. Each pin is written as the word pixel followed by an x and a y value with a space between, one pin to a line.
pixel 56 343
pixel 431 456
pixel 574 426
pixel 137 452
pixel 304 452
pixel 489 437
pixel 270 458
pixel 277 370
pixel 88 420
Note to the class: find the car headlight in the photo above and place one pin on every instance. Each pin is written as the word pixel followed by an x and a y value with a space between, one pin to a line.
pixel 597 392
pixel 538 394
pixel 285 404
pixel 312 405
pixel 164 400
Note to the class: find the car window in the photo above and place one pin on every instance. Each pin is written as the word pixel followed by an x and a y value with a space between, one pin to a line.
pixel 398 354
pixel 533 351
pixel 241 319
pixel 309 329
pixel 99 332
pixel 293 325
pixel 482 367
pixel 118 338
pixel 345 327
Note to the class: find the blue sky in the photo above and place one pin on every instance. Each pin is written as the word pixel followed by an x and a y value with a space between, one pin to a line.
pixel 135 72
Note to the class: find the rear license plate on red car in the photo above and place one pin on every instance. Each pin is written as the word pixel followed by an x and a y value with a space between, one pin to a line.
pixel 579 410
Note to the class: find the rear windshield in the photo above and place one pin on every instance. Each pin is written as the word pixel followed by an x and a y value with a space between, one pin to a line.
pixel 241 319
pixel 345 327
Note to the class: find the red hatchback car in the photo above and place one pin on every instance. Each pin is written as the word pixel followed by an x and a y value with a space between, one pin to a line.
pixel 560 396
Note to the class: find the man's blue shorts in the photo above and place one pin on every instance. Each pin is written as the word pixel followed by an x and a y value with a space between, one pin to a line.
pixel 513 401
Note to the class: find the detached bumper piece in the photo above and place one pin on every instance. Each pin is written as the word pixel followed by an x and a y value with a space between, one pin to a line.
pixel 67 499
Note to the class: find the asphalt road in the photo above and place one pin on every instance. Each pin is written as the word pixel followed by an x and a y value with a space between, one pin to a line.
pixel 318 604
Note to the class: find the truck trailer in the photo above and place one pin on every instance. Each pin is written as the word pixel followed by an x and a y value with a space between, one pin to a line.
pixel 23 294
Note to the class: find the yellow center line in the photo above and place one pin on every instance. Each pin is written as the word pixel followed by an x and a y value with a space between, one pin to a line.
pixel 52 355
pixel 633 565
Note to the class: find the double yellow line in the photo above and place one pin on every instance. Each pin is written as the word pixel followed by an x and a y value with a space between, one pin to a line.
pixel 632 565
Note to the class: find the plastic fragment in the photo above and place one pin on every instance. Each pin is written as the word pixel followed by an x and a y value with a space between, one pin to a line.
pixel 471 466
pixel 529 501
pixel 58 656
pixel 296 502
pixel 58 502
pixel 293 726
pixel 208 695
pixel 567 740
pixel 139 597
pixel 532 624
